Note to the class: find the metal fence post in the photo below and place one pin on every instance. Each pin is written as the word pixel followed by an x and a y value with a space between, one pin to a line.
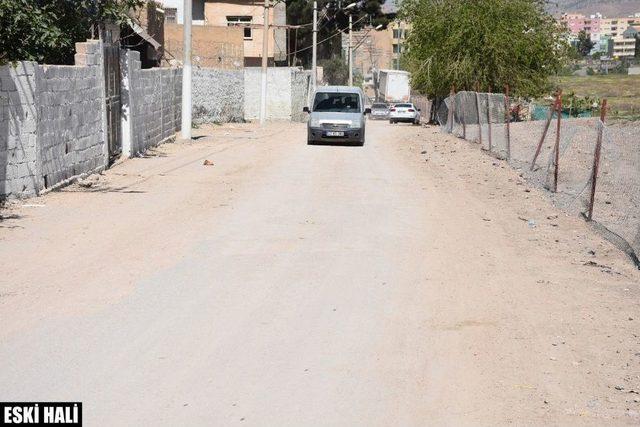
pixel 478 115
pixel 507 116
pixel 557 145
pixel 463 120
pixel 489 119
pixel 546 129
pixel 596 159
pixel 452 107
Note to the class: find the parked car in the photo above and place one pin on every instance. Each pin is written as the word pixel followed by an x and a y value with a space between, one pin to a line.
pixel 407 113
pixel 379 110
pixel 338 114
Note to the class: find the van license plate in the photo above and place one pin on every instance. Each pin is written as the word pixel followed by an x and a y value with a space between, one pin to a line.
pixel 335 133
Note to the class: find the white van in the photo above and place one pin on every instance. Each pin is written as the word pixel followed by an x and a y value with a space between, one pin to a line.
pixel 338 115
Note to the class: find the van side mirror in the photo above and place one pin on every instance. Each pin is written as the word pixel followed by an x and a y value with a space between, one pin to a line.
pixel 305 110
pixel 367 110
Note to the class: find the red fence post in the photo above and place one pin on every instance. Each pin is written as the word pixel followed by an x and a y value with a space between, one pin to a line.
pixel 596 159
pixel 546 129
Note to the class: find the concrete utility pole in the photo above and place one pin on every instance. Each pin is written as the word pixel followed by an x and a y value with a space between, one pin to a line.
pixel 314 55
pixel 350 50
pixel 186 72
pixel 398 48
pixel 265 58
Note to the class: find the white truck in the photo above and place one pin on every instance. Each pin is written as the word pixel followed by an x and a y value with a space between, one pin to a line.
pixel 393 86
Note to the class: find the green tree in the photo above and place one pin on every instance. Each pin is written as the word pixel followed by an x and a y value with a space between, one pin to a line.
pixel 489 42
pixel 335 71
pixel 47 30
pixel 584 44
pixel 333 18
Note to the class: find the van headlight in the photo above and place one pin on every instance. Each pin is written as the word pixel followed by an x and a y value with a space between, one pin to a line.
pixel 355 124
pixel 314 122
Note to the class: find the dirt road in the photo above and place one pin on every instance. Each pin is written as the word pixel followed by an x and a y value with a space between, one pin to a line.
pixel 413 281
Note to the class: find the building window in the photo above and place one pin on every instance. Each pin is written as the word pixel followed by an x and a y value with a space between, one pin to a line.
pixel 238 21
pixel 397 48
pixel 170 14
pixel 398 34
pixel 197 8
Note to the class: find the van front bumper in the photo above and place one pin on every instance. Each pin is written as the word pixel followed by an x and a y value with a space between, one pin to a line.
pixel 323 135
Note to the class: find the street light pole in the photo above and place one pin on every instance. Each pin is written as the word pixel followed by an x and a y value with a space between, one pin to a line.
pixel 265 53
pixel 314 56
pixel 186 72
pixel 350 52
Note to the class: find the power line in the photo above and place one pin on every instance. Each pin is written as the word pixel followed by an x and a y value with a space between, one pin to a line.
pixel 340 31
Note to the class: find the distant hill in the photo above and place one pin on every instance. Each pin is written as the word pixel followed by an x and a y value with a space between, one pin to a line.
pixel 610 8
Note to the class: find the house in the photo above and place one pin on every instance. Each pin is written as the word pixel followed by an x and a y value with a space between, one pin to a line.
pixel 144 32
pixel 376 49
pixel 222 19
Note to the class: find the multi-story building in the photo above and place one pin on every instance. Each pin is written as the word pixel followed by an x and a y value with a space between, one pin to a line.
pixel 376 49
pixel 597 25
pixel 624 47
pixel 244 14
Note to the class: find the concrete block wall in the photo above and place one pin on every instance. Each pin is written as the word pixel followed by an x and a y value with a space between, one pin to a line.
pixel 300 94
pixel 218 95
pixel 286 93
pixel 51 122
pixel 152 101
pixel 18 130
pixel 70 135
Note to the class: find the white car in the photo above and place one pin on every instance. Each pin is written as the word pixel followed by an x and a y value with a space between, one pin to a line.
pixel 407 113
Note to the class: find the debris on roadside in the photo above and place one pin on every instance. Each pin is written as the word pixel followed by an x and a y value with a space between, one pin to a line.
pixel 89 181
pixel 207 162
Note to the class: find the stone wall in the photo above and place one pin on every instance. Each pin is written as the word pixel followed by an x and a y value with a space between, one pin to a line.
pixel 287 90
pixel 218 95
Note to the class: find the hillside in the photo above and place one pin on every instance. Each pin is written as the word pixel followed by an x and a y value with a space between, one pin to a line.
pixel 607 7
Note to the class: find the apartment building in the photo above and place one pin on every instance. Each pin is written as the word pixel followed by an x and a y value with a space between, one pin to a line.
pixel 376 49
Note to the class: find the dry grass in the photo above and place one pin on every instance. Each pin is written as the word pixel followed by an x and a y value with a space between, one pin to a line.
pixel 621 91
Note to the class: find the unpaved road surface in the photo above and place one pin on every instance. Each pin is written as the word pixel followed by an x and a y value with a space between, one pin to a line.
pixel 399 283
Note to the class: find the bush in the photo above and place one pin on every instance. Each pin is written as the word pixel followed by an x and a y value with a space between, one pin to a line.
pixel 336 71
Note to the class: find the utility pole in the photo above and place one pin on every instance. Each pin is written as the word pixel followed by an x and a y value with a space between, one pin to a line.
pixel 265 58
pixel 399 47
pixel 350 50
pixel 314 57
pixel 186 72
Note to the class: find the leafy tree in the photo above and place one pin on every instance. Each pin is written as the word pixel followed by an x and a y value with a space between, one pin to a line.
pixel 332 18
pixel 47 30
pixel 335 71
pixel 584 44
pixel 488 42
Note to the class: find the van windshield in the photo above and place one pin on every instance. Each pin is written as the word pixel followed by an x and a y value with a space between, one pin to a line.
pixel 335 102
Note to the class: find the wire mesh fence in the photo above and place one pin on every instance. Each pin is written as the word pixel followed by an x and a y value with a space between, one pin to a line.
pixel 560 155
